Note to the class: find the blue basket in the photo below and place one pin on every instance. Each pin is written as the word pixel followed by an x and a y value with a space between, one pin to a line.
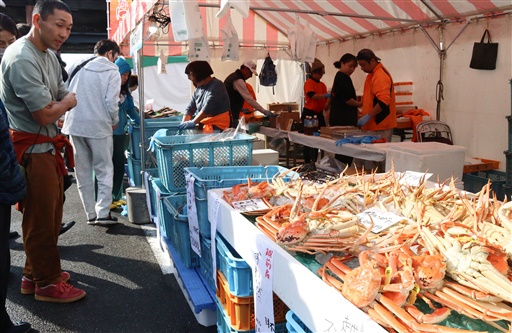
pixel 236 271
pixel 224 324
pixel 150 127
pixel 175 153
pixel 134 171
pixel 151 201
pixel 209 178
pixel 294 325
pixel 175 223
pixel 206 262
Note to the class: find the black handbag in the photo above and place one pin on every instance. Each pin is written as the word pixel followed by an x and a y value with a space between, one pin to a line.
pixel 484 53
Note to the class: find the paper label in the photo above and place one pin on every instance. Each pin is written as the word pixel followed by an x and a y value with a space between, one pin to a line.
pixel 249 205
pixel 193 223
pixel 413 178
pixel 381 219
pixel 262 277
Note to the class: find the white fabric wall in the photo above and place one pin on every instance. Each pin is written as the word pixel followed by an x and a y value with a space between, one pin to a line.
pixel 476 102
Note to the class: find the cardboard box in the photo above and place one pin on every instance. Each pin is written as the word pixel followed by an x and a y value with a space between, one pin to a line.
pixel 285 120
pixel 283 107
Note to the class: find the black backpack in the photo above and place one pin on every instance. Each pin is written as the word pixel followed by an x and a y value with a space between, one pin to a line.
pixel 268 74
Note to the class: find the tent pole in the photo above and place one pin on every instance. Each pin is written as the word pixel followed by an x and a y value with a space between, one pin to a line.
pixel 140 72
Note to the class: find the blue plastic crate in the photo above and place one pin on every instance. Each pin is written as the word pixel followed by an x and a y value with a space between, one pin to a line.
pixel 294 325
pixel 210 177
pixel 175 153
pixel 149 177
pixel 236 271
pixel 134 171
pixel 150 127
pixel 206 262
pixel 176 227
pixel 224 326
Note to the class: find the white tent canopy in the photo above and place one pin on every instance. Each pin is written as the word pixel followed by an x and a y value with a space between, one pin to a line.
pixel 409 37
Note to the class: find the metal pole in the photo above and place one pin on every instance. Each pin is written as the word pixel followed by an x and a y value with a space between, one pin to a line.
pixel 508 153
pixel 140 72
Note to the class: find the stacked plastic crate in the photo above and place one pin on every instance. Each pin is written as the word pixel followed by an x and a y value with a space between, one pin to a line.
pixel 151 126
pixel 234 288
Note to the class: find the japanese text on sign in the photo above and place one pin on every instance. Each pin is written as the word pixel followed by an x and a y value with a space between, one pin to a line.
pixel 193 223
pixel 344 326
pixel 262 278
pixel 249 205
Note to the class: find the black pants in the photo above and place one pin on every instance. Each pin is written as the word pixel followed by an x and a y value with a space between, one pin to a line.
pixel 5 263
pixel 311 154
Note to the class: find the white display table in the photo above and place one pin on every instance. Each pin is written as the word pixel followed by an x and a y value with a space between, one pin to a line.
pixel 319 306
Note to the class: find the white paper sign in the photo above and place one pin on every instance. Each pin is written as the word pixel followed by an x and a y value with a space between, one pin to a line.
pixel 262 283
pixel 381 219
pixel 214 218
pixel 413 178
pixel 136 39
pixel 249 205
pixel 193 223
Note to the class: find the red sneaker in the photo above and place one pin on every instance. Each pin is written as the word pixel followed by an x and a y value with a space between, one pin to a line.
pixel 28 287
pixel 61 292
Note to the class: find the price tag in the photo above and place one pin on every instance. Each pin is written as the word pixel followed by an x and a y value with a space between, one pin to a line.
pixel 249 205
pixel 193 223
pixel 381 219
pixel 262 283
pixel 136 39
pixel 413 178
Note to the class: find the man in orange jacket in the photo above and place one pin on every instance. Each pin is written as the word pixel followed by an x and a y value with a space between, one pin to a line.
pixel 379 108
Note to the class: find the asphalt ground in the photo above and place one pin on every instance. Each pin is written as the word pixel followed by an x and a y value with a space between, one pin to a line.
pixel 127 278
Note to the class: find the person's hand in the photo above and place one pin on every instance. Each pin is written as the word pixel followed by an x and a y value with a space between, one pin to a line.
pixel 70 100
pixel 268 113
pixel 114 127
pixel 187 125
pixel 363 120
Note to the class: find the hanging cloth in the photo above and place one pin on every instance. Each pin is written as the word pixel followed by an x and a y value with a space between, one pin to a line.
pixel 242 6
pixel 230 39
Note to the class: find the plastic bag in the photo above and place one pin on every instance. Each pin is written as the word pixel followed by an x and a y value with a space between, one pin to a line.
pixel 186 20
pixel 198 49
pixel 162 60
pixel 242 6
pixel 231 44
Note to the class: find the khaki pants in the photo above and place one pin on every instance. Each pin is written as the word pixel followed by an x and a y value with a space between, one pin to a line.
pixel 42 216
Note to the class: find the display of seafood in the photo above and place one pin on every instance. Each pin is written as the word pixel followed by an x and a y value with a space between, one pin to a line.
pixel 163 112
pixel 450 249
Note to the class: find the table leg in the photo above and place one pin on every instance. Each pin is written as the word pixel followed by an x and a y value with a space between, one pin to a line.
pixel 295 149
pixel 287 153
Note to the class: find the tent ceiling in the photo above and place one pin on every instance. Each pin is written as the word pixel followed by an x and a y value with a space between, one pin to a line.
pixel 329 19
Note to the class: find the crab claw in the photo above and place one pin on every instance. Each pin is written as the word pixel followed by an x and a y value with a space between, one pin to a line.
pixel 432 318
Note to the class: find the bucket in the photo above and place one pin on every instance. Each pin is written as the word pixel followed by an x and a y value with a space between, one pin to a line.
pixel 137 205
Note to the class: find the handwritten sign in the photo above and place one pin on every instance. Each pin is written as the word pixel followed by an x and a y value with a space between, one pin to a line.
pixel 193 223
pixel 346 325
pixel 262 275
pixel 381 219
pixel 136 39
pixel 413 178
pixel 249 205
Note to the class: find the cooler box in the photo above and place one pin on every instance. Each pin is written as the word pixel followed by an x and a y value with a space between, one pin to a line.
pixel 440 159
pixel 265 157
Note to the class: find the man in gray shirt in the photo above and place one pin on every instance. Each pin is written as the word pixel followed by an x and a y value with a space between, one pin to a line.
pixel 35 97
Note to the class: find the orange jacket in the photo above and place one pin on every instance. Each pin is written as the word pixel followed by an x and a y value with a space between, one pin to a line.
pixel 316 105
pixel 416 117
pixel 379 85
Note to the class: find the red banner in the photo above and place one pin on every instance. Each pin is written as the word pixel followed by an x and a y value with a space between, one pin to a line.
pixel 118 9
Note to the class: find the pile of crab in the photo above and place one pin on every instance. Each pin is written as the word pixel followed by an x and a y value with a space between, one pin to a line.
pixel 451 249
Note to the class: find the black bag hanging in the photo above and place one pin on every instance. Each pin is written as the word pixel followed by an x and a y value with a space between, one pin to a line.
pixel 268 74
pixel 484 53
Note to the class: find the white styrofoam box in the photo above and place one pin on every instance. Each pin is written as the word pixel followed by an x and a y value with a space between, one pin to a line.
pixel 258 144
pixel 265 157
pixel 440 159
pixel 403 86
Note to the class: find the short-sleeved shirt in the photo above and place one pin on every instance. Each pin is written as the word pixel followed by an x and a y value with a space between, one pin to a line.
pixel 316 87
pixel 212 99
pixel 30 80
pixel 342 91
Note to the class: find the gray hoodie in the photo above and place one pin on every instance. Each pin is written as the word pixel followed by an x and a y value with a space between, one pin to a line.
pixel 97 86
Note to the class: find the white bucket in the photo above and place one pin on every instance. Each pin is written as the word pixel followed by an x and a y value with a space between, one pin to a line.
pixel 137 207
